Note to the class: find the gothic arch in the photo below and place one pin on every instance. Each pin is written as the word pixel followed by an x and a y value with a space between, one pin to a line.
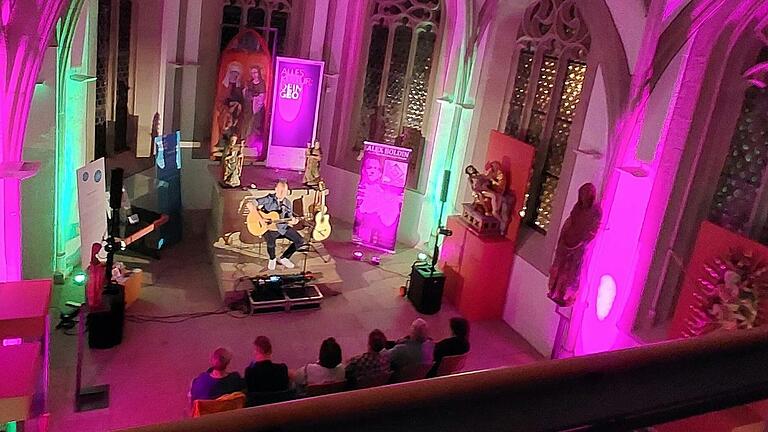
pixel 729 49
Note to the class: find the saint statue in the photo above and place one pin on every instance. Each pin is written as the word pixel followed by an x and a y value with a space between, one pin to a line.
pixel 578 231
pixel 232 162
pixel 312 169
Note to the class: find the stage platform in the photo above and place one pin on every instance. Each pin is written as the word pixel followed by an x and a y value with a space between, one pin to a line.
pixel 237 255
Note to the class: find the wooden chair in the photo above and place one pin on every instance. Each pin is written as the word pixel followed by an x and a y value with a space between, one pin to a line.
pixel 228 402
pixel 412 373
pixel 325 388
pixel 373 380
pixel 451 364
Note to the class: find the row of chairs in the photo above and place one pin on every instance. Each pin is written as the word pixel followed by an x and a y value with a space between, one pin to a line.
pixel 237 400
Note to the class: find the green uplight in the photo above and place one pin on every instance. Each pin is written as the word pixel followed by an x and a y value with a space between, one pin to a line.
pixel 79 278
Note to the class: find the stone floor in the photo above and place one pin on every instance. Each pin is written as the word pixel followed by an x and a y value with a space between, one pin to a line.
pixel 150 372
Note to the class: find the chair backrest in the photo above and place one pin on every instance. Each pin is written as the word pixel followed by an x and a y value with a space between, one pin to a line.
pixel 451 364
pixel 228 402
pixel 412 372
pixel 326 388
pixel 266 398
pixel 373 380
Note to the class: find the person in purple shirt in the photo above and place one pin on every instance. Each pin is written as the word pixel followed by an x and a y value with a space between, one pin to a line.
pixel 216 381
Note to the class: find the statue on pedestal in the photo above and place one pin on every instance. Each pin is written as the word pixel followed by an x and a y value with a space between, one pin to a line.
pixel 312 169
pixel 232 162
pixel 491 209
pixel 578 231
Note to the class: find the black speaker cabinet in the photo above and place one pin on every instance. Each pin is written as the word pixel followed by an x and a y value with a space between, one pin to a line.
pixel 105 324
pixel 426 289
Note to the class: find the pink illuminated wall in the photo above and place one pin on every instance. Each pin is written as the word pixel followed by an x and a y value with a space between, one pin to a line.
pixel 26 27
pixel 640 182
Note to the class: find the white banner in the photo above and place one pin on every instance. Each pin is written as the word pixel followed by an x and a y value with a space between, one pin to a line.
pixel 92 206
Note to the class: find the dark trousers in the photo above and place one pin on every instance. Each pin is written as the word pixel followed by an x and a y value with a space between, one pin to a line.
pixel 291 234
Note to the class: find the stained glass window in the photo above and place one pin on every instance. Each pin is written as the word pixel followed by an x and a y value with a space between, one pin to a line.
pixel 740 191
pixel 259 15
pixel 547 88
pixel 396 86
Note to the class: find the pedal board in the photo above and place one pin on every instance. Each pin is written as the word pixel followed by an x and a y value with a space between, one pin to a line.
pixel 283 293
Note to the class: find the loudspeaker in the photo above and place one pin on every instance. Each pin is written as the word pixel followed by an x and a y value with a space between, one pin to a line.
pixel 446 183
pixel 105 325
pixel 426 289
pixel 116 188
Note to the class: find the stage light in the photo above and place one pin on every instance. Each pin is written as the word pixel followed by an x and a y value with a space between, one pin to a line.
pixel 79 278
pixel 358 255
pixel 421 256
pixel 375 260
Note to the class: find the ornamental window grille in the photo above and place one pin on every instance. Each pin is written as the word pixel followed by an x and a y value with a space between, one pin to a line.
pixel 740 201
pixel 258 15
pixel 403 40
pixel 554 42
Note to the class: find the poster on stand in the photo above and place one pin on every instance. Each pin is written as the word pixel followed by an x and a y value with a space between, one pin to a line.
pixel 92 207
pixel 383 176
pixel 243 95
pixel 296 103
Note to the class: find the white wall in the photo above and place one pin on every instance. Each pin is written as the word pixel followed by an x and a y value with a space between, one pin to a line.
pixel 147 23
pixel 528 310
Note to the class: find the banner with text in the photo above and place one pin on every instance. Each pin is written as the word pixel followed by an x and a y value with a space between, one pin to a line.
pixel 383 175
pixel 296 103
pixel 92 207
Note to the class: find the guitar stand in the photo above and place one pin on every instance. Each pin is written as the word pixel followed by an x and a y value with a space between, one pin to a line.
pixel 307 248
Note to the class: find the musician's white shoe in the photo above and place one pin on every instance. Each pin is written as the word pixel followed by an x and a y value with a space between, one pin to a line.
pixel 272 264
pixel 287 263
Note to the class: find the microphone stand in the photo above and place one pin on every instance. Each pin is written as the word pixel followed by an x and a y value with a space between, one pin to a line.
pixel 97 397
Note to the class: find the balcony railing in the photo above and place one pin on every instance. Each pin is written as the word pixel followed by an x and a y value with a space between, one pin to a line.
pixel 620 390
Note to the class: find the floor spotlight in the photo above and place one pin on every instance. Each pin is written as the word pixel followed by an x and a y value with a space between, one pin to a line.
pixel 358 255
pixel 375 260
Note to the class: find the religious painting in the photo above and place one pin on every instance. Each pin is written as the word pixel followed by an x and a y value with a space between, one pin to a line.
pixel 243 95
pixel 383 176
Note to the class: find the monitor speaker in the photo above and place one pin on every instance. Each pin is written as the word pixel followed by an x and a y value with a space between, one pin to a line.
pixel 426 289
pixel 105 324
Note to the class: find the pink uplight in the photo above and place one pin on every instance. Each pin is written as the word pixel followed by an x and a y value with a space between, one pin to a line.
pixel 11 342
pixel 606 294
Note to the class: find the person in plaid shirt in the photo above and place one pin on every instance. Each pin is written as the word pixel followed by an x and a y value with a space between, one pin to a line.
pixel 372 363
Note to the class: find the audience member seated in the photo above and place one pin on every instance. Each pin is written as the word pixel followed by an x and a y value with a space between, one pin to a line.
pixel 328 368
pixel 373 363
pixel 262 375
pixel 455 345
pixel 216 381
pixel 413 350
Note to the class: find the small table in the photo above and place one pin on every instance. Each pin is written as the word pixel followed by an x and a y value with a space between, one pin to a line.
pixel 149 221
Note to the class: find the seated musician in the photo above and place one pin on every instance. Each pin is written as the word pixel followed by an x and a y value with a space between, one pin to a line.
pixel 279 202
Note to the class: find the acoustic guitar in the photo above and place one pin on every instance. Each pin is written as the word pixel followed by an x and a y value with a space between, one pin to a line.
pixel 259 222
pixel 322 229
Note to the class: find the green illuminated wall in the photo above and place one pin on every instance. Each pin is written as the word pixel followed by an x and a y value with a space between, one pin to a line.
pixel 76 34
pixel 453 127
